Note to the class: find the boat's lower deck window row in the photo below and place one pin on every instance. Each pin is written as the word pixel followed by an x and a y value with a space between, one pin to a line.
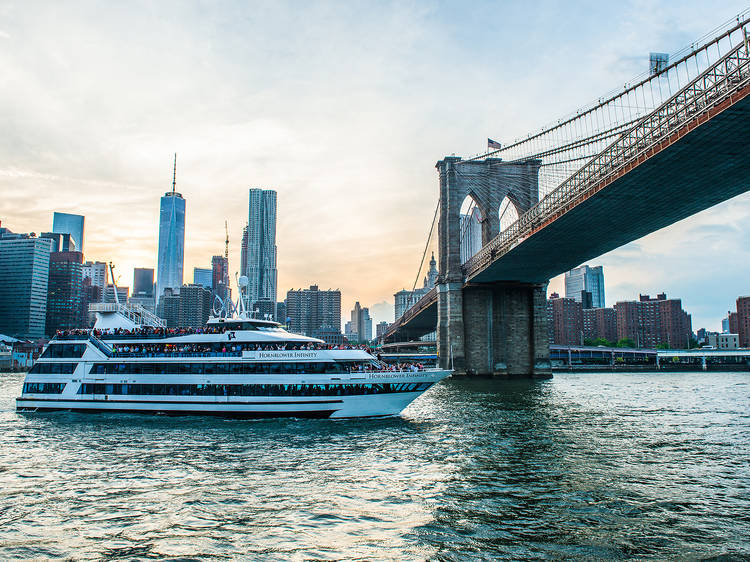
pixel 249 389
pixel 246 368
pixel 43 387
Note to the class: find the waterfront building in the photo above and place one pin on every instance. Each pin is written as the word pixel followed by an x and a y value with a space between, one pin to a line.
pixel 722 341
pixel 585 278
pixel 66 223
pixel 203 276
pixel 283 317
pixel 91 294
pixel 361 323
pixel 143 289
pixel 330 335
pixel 404 300
pixel 108 294
pixel 743 321
pixel 168 307
pixel 565 320
pixel 313 311
pixel 243 252
pixel 220 277
pixel 733 322
pixel 261 246
pixel 381 328
pixel 600 323
pixel 24 279
pixel 651 322
pixel 171 239
pixel 265 309
pixel 194 306
pixel 149 303
pixel 97 272
pixel 471 234
pixel 143 282
pixel 65 294
pixel 348 333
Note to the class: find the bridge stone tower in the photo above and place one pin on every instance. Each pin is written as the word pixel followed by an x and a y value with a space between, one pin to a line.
pixel 497 328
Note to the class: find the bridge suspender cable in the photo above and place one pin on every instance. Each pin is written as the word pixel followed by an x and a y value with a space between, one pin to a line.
pixel 427 245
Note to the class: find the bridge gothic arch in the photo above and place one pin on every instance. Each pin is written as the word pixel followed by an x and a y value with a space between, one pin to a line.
pixel 489 183
pixel 494 328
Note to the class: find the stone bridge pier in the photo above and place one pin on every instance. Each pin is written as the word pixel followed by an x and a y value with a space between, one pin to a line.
pixel 497 328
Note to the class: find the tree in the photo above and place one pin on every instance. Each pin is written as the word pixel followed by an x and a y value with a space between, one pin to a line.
pixel 625 342
pixel 597 342
pixel 663 345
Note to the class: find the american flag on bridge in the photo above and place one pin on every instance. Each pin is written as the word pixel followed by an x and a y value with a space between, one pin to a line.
pixel 493 144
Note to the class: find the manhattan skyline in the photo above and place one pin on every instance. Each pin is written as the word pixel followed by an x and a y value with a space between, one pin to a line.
pixel 345 133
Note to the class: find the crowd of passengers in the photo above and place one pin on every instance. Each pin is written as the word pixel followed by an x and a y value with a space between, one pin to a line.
pixel 208 349
pixel 147 331
pixel 170 349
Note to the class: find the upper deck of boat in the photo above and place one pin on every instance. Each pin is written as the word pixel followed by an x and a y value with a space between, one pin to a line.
pixel 217 330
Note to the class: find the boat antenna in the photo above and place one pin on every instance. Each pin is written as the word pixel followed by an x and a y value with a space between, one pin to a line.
pixel 174 174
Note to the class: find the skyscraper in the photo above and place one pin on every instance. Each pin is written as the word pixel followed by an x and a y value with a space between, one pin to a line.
pixel 743 320
pixel 312 310
pixel 220 277
pixel 65 295
pixel 143 288
pixel 243 253
pixel 66 223
pixel 97 272
pixel 143 281
pixel 203 276
pixel 654 321
pixel 171 239
pixel 261 246
pixel 585 278
pixel 361 323
pixel 24 272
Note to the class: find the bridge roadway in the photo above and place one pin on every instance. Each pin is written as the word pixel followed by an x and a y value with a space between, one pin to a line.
pixel 701 165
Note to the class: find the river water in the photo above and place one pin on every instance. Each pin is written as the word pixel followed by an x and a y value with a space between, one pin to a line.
pixel 584 466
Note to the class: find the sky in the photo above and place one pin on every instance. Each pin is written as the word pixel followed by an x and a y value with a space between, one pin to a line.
pixel 343 108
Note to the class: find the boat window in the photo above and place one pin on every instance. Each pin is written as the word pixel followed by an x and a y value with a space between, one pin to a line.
pixel 64 351
pixel 53 368
pixel 43 387
pixel 245 389
pixel 234 368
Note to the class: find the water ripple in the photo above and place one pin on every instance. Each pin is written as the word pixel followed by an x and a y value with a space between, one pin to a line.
pixel 584 467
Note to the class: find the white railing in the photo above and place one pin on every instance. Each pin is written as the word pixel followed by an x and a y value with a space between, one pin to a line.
pixel 133 312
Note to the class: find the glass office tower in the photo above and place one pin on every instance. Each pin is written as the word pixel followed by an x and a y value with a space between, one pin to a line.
pixel 65 223
pixel 24 277
pixel 261 246
pixel 171 242
pixel 585 278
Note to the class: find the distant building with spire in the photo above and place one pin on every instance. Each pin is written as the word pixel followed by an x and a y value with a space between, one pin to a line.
pixel 404 299
pixel 171 239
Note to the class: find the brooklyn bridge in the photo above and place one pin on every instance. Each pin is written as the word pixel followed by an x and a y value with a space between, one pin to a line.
pixel 669 145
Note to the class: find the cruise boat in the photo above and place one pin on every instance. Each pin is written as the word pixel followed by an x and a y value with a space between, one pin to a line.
pixel 232 367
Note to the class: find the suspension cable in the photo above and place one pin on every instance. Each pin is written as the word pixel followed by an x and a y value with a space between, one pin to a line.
pixel 427 245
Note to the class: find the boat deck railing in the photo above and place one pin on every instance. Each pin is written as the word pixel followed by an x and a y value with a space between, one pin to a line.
pixel 100 345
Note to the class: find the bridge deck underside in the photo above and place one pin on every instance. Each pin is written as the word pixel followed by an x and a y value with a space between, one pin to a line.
pixel 698 171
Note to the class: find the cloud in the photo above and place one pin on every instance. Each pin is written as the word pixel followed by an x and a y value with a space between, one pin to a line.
pixel 342 108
